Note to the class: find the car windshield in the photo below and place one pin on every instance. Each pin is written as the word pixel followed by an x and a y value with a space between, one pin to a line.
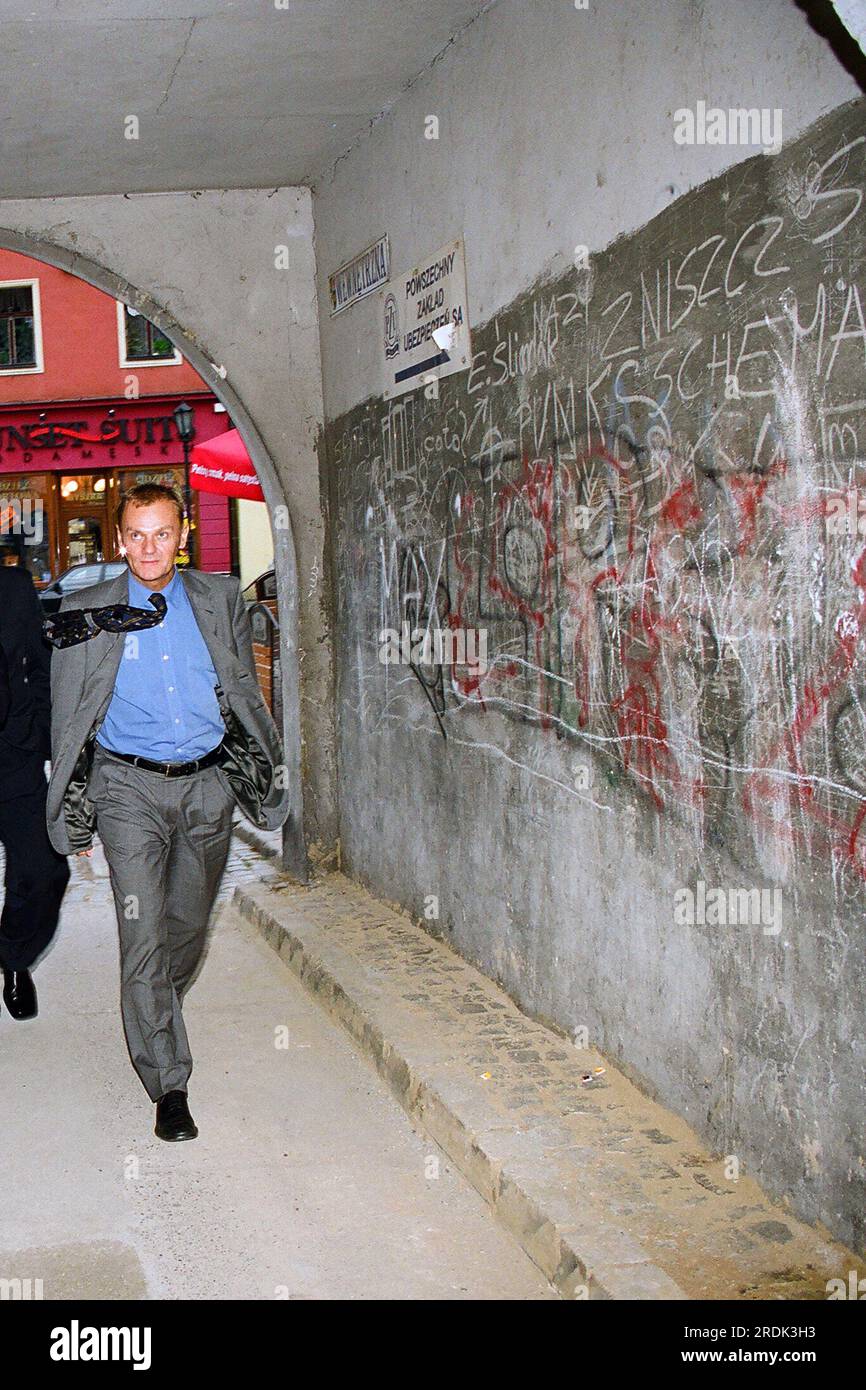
pixel 80 578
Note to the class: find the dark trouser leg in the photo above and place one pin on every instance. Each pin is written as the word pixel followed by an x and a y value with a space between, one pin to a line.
pixel 36 879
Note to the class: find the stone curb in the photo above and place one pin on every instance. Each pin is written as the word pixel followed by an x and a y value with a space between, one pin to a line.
pixel 582 1255
pixel 251 837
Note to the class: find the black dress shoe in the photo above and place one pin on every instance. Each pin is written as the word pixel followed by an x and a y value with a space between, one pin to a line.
pixel 173 1120
pixel 19 993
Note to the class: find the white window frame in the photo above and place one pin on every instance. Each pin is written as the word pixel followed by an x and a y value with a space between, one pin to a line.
pixel 37 328
pixel 136 362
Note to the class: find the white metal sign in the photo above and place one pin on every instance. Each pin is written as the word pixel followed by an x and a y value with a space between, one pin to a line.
pixel 425 322
pixel 360 276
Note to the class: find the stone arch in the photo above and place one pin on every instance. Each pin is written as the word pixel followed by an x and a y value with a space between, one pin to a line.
pixel 294 855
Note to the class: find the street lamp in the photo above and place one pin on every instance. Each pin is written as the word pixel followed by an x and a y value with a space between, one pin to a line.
pixel 186 432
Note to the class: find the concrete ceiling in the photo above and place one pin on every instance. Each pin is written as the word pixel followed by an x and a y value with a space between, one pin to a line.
pixel 228 93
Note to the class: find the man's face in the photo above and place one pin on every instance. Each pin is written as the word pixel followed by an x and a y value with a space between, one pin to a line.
pixel 152 535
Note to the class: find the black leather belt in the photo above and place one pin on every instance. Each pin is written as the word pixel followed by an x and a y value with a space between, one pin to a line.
pixel 169 769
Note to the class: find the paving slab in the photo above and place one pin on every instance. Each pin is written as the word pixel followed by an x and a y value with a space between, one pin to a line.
pixel 307 1181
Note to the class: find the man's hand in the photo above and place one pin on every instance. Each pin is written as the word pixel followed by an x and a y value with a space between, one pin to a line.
pixel 86 852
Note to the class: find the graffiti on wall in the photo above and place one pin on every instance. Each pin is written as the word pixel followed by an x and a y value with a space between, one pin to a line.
pixel 650 493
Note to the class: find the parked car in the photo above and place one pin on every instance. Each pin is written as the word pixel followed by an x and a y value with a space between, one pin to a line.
pixel 78 577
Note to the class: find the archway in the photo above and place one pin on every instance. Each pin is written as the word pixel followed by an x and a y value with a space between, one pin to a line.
pixel 294 853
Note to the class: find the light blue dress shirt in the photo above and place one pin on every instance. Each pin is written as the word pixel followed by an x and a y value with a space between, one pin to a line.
pixel 164 705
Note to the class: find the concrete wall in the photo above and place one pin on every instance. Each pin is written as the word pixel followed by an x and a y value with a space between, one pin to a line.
pixel 208 266
pixel 629 495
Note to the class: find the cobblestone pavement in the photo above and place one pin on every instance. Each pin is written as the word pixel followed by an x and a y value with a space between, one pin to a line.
pixel 622 1173
pixel 512 1096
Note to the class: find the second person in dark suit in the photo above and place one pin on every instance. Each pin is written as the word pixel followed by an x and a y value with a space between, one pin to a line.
pixel 36 875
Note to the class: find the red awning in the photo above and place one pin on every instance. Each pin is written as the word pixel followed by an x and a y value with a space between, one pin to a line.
pixel 223 465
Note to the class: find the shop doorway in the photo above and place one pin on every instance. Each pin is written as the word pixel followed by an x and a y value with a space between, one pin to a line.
pixel 85 532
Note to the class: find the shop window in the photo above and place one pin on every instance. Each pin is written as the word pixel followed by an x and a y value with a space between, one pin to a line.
pixel 20 346
pixel 142 344
pixel 79 488
pixel 25 538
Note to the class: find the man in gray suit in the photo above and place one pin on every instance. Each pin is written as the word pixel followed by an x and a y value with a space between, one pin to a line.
pixel 158 730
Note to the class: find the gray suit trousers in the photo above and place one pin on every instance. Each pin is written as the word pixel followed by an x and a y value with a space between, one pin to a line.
pixel 166 840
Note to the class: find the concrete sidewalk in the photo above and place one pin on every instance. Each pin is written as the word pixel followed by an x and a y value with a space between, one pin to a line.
pixel 610 1194
pixel 307 1179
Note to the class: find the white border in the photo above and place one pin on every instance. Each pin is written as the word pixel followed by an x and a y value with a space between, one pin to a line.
pixel 122 358
pixel 37 329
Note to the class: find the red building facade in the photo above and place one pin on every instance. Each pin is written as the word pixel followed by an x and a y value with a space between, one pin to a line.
pixel 88 391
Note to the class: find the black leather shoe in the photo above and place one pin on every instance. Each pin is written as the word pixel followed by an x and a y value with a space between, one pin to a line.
pixel 19 993
pixel 173 1120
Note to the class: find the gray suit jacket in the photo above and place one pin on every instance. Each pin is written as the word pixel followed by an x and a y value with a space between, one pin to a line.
pixel 82 684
